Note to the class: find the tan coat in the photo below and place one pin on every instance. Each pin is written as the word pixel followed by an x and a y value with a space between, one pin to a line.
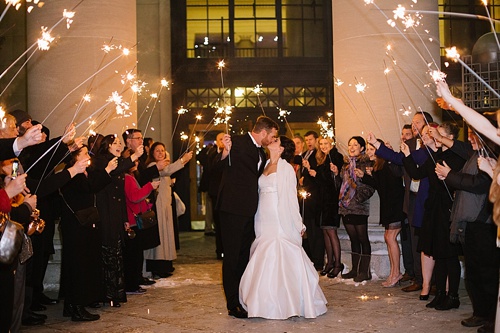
pixel 166 249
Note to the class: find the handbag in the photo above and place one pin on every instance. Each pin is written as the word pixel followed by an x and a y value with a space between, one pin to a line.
pixel 146 220
pixel 86 217
pixel 26 249
pixel 11 239
pixel 180 207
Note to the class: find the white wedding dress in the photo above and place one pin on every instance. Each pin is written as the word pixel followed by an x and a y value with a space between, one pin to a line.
pixel 280 280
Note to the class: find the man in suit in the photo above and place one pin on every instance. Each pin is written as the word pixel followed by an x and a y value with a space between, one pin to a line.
pixel 214 180
pixel 314 244
pixel 243 160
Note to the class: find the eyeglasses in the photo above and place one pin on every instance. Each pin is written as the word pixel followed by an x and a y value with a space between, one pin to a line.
pixel 139 138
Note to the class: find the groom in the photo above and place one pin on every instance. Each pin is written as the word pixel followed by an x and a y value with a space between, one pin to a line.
pixel 243 160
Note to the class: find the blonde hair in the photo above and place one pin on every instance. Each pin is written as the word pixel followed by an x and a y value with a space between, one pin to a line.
pixel 320 156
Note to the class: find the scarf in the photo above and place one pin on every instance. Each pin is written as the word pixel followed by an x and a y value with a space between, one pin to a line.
pixel 348 187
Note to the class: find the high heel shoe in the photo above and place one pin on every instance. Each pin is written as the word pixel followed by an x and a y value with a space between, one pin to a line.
pixel 325 271
pixel 335 271
pixel 423 297
pixel 393 283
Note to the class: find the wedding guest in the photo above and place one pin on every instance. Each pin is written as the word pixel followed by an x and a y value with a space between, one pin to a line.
pixel 159 260
pixel 81 253
pixel 354 206
pixel 387 179
pixel 329 185
pixel 472 227
pixel 135 198
pixel 113 214
pixel 434 239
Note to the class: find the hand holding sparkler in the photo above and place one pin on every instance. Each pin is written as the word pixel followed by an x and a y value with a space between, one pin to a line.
pixel 112 164
pixel 32 137
pixel 137 153
pixel 486 164
pixel 76 144
pixel 359 173
pixel 186 157
pixel 69 134
pixel 442 170
pixel 226 141
pixel 372 139
pixel 405 149
pixel 79 167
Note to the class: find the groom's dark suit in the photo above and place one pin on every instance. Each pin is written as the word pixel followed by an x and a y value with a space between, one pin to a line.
pixel 237 204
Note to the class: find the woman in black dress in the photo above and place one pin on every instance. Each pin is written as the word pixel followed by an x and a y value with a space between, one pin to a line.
pixel 387 179
pixel 329 185
pixel 81 255
pixel 435 233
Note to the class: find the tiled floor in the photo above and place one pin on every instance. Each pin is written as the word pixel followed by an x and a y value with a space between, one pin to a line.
pixel 192 300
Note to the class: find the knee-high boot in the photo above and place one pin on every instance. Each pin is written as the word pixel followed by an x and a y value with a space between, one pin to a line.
pixel 364 272
pixel 354 267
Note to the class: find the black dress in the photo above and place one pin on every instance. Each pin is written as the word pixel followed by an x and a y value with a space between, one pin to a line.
pixel 435 232
pixel 329 188
pixel 81 254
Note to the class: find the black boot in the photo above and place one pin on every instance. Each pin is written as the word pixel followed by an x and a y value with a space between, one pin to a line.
pixel 81 314
pixel 438 299
pixel 354 267
pixel 452 301
pixel 364 269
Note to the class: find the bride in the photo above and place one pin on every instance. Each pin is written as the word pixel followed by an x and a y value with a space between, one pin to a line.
pixel 280 280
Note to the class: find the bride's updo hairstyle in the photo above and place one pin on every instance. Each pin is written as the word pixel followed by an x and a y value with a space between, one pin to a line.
pixel 289 148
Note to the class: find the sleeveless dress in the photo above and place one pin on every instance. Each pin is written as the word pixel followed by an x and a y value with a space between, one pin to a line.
pixel 280 280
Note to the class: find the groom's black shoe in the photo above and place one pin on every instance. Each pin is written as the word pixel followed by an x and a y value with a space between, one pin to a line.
pixel 238 312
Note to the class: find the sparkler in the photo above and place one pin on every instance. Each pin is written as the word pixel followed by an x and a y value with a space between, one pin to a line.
pixel 485 3
pixel 473 16
pixel 198 118
pixel 181 111
pixel 282 115
pixel 338 83
pixel 45 38
pixel 360 88
pixel 84 81
pixel 163 84
pixel 391 93
pixel 258 90
pixel 304 195
pixel 453 54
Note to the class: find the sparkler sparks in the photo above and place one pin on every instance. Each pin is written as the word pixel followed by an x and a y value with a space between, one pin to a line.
pixel 338 82
pixel 257 89
pixel 121 106
pixel 360 87
pixel 282 114
pixel 69 18
pixel 182 110
pixel 452 53
pixel 45 40
pixel 184 136
pixel 164 83
pixel 438 76
pixel 223 114
pixel 86 97
pixel 221 64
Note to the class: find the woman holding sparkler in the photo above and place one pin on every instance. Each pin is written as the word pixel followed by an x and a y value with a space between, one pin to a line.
pixel 81 254
pixel 113 214
pixel 280 280
pixel 354 206
pixel 435 232
pixel 159 259
pixel 387 179
pixel 329 184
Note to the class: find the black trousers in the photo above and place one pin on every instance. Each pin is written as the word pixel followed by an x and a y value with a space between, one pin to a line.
pixel 482 259
pixel 237 237
pixel 133 260
pixel 6 296
pixel 414 234
pixel 315 242
pixel 219 248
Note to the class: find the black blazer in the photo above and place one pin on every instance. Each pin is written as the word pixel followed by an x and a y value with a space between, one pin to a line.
pixel 238 191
